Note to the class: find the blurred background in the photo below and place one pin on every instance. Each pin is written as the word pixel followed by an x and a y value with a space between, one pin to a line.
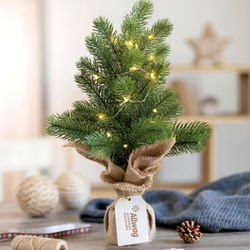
pixel 42 39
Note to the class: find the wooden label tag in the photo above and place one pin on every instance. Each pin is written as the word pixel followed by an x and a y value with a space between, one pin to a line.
pixel 131 221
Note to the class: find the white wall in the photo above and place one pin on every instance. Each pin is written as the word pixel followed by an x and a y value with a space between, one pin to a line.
pixel 68 22
pixel 20 80
pixel 20 69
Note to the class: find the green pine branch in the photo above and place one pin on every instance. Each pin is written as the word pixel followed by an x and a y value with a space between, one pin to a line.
pixel 136 20
pixel 161 29
pixel 96 93
pixel 191 137
pixel 98 48
pixel 68 127
pixel 101 145
pixel 88 66
pixel 105 29
pixel 147 131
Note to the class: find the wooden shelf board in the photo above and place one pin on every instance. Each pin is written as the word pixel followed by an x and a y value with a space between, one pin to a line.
pixel 216 119
pixel 209 68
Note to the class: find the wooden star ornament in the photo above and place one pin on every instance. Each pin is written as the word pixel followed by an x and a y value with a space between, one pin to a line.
pixel 208 47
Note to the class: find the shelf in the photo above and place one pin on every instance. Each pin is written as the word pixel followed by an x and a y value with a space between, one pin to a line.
pixel 216 119
pixel 209 156
pixel 209 68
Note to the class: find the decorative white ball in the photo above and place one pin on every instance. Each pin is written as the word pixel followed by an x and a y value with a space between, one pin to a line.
pixel 37 195
pixel 74 190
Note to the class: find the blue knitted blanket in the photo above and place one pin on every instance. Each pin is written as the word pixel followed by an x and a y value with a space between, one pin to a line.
pixel 221 205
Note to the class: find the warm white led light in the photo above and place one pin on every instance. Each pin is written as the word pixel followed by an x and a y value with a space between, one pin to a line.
pixel 133 68
pixel 152 75
pixel 129 43
pixel 96 77
pixel 151 57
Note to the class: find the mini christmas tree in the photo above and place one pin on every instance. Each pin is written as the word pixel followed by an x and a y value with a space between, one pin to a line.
pixel 129 105
pixel 129 122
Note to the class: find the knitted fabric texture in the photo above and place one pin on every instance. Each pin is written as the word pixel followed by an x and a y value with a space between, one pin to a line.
pixel 221 205
pixel 143 163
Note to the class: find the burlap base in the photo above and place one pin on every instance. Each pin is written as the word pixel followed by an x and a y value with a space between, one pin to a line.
pixel 143 163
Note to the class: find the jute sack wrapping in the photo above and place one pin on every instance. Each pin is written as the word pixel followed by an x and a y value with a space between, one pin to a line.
pixel 143 163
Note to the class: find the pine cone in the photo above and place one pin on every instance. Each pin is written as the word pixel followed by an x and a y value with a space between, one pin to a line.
pixel 189 233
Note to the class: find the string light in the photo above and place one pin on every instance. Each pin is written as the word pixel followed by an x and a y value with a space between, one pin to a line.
pixel 125 145
pixel 96 77
pixel 152 75
pixel 151 57
pixel 114 39
pixel 125 99
pixel 134 68
pixel 155 110
pixel 129 43
pixel 100 116
pixel 108 134
pixel 150 36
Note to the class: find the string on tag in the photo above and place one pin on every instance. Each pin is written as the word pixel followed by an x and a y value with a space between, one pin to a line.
pixel 38 243
pixel 129 199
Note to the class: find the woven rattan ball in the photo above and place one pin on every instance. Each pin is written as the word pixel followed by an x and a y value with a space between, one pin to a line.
pixel 74 190
pixel 37 195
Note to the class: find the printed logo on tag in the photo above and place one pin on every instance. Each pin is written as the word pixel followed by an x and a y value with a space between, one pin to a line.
pixel 131 221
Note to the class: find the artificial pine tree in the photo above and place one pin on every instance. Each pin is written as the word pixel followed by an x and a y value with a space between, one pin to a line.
pixel 129 122
pixel 129 105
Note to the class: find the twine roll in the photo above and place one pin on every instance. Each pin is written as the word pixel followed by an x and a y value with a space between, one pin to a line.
pixel 37 243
